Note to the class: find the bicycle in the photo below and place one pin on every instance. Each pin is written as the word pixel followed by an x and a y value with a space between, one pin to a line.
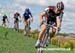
pixel 45 38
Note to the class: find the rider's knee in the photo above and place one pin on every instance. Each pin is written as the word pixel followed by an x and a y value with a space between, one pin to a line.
pixel 43 28
pixel 53 30
pixel 25 24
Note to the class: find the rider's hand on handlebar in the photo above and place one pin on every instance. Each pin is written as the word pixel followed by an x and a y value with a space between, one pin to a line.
pixel 31 19
pixel 59 28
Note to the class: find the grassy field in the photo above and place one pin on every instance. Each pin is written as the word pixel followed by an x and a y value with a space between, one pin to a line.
pixel 14 42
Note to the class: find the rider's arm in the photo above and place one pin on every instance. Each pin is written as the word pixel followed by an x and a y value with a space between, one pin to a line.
pixel 19 15
pixel 22 18
pixel 7 20
pixel 31 16
pixel 61 16
pixel 59 21
pixel 41 17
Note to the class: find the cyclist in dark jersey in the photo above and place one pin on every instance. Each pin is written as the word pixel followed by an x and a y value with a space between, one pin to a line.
pixel 27 18
pixel 53 15
pixel 4 18
pixel 16 21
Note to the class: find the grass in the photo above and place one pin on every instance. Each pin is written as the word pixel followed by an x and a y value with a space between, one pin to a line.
pixel 14 42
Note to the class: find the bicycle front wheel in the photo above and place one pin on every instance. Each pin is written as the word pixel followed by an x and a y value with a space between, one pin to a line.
pixel 39 50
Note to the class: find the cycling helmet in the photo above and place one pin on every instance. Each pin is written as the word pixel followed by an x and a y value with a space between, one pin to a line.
pixel 60 5
pixel 27 10
pixel 4 14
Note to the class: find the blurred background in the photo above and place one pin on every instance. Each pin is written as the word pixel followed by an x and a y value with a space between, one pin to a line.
pixel 37 6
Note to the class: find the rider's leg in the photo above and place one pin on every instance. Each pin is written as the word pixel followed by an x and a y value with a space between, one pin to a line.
pixel 52 34
pixel 25 25
pixel 3 23
pixel 17 25
pixel 28 21
pixel 43 29
pixel 28 26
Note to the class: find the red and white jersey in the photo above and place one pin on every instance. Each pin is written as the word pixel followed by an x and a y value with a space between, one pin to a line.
pixel 51 15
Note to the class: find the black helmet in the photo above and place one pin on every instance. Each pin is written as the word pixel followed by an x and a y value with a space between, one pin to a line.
pixel 27 10
pixel 60 5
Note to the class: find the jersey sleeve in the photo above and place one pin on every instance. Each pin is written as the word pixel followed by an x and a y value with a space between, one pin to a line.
pixel 61 16
pixel 46 9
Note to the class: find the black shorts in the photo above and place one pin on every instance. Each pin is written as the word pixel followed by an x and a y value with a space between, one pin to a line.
pixel 3 20
pixel 16 20
pixel 26 17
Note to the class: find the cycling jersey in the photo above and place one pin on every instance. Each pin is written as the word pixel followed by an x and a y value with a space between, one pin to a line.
pixel 27 15
pixel 16 16
pixel 4 18
pixel 51 15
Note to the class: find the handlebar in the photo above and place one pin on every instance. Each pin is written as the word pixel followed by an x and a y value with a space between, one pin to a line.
pixel 49 25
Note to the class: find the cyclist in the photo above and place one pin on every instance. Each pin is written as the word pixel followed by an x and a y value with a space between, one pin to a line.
pixel 16 21
pixel 4 18
pixel 27 18
pixel 53 15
